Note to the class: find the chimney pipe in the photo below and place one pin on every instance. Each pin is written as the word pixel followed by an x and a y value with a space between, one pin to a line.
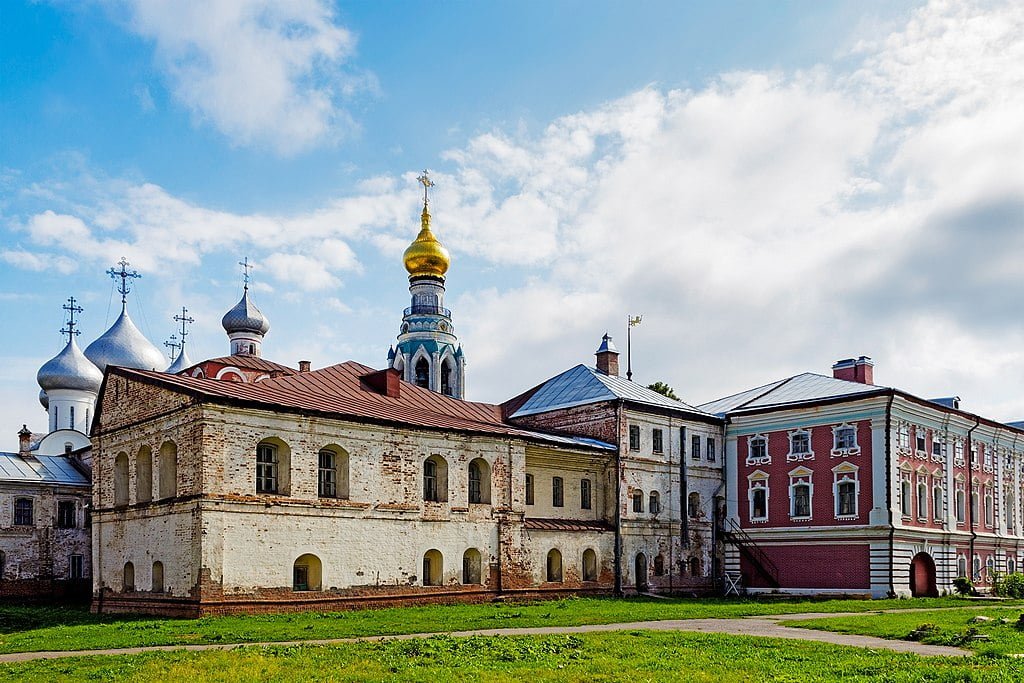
pixel 24 440
pixel 607 357
pixel 859 370
pixel 303 366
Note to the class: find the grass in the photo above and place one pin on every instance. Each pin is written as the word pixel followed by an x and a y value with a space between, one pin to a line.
pixel 942 627
pixel 33 629
pixel 635 656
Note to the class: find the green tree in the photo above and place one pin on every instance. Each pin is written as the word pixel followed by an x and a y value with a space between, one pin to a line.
pixel 663 389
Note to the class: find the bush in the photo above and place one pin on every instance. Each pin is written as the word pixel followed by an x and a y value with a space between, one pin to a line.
pixel 1008 585
pixel 963 585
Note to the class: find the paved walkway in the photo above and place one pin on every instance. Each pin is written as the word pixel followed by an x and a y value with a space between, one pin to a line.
pixel 766 627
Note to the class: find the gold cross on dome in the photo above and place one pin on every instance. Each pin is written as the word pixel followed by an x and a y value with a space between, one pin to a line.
pixel 427 183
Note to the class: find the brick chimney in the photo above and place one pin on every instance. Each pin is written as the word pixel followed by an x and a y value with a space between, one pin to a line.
pixel 304 366
pixel 384 382
pixel 860 370
pixel 607 357
pixel 24 440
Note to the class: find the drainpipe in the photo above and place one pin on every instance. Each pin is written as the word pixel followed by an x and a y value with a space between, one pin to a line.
pixel 970 494
pixel 684 528
pixel 618 503
pixel 716 519
pixel 888 491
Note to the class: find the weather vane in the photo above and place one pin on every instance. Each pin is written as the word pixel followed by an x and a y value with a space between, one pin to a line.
pixel 71 308
pixel 125 276
pixel 246 267
pixel 427 183
pixel 632 321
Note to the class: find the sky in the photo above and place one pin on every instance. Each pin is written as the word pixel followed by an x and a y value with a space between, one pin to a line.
pixel 773 186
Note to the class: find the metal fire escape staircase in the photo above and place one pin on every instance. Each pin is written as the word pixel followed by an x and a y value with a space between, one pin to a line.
pixel 752 551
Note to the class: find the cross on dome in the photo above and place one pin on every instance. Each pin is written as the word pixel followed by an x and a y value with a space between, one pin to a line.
pixel 173 345
pixel 185 320
pixel 427 183
pixel 125 276
pixel 71 308
pixel 246 267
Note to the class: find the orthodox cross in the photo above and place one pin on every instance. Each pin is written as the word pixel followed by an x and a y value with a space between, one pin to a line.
pixel 246 267
pixel 427 183
pixel 185 320
pixel 173 344
pixel 125 276
pixel 71 308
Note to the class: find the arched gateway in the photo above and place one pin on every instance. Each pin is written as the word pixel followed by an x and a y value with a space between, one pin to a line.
pixel 922 576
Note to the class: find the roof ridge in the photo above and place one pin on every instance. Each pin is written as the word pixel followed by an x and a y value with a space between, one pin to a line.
pixel 781 383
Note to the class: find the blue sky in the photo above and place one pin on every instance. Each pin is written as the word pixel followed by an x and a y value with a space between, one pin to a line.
pixel 773 185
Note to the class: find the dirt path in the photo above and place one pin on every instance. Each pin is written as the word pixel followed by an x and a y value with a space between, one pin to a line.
pixel 765 627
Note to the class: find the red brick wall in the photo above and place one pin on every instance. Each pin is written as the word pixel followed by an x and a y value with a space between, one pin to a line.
pixel 814 566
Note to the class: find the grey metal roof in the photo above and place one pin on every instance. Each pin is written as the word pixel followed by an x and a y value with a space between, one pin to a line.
pixel 581 385
pixel 182 362
pixel 1016 425
pixel 125 346
pixel 245 317
pixel 70 369
pixel 40 469
pixel 796 389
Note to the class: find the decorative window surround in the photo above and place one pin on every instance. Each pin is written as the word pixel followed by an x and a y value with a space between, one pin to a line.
pixel 958 453
pixel 903 438
pixel 938 449
pixel 757 451
pixel 800 485
pixel 800 446
pixel 844 441
pixel 757 486
pixel 845 476
pixel 921 443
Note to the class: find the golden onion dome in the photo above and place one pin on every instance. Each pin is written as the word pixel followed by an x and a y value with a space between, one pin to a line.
pixel 426 256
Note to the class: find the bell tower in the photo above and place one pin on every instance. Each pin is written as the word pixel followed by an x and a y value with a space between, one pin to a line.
pixel 428 352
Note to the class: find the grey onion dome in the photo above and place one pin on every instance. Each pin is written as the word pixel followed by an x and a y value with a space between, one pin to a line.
pixel 180 363
pixel 125 346
pixel 69 369
pixel 245 317
pixel 44 399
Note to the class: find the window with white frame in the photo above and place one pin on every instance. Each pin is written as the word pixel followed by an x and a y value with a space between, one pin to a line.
pixel 960 512
pixel 976 568
pixel 990 566
pixel 937 502
pixel 903 437
pixel 958 453
pixel 757 450
pixel 990 510
pixel 757 496
pixel 800 492
pixel 906 504
pixel 844 440
pixel 1008 510
pixel 920 439
pixel 961 566
pixel 1011 565
pixel 922 499
pixel 938 449
pixel 845 489
pixel 800 446
pixel 975 498
pixel 989 450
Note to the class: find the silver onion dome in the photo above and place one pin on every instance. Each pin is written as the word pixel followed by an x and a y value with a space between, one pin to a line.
pixel 245 317
pixel 124 345
pixel 44 399
pixel 69 369
pixel 180 363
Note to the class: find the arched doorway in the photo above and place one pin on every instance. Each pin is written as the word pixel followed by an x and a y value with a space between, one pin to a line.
pixel 922 576
pixel 640 569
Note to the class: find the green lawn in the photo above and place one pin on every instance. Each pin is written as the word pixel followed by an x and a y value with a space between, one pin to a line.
pixel 624 656
pixel 29 629
pixel 950 627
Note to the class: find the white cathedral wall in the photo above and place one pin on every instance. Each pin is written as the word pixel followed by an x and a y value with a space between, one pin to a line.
pixel 142 539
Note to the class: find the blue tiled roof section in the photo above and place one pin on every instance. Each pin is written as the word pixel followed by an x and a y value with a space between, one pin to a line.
pixel 40 469
pixel 797 389
pixel 581 385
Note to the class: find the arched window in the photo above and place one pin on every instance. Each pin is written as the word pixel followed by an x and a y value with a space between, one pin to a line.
pixel 554 566
pixel 128 582
pixel 471 567
pixel 158 577
pixel 435 479
pixel 937 511
pixel 961 566
pixel 332 472
pixel 479 481
pixel 273 466
pixel 1011 565
pixel 71 418
pixel 423 373
pixel 638 501
pixel 306 573
pixel 976 568
pixel 801 500
pixel 695 568
pixel 589 565
pixel 144 475
pixel 974 507
pixel 990 516
pixel 446 378
pixel 121 479
pixel 1008 507
pixel 693 504
pixel 433 568
pixel 659 565
pixel 905 501
pixel 922 500
pixel 168 466
pixel 654 503
pixel 960 507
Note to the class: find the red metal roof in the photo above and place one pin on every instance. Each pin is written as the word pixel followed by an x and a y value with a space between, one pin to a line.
pixel 249 363
pixel 337 391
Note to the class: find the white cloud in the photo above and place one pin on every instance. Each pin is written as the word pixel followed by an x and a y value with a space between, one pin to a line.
pixel 259 71
pixel 38 262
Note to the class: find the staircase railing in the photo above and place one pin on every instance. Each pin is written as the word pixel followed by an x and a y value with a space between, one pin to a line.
pixel 748 546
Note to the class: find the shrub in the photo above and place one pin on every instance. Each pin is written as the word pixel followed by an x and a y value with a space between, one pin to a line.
pixel 1009 585
pixel 963 585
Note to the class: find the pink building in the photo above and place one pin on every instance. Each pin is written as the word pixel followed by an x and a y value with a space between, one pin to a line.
pixel 835 484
